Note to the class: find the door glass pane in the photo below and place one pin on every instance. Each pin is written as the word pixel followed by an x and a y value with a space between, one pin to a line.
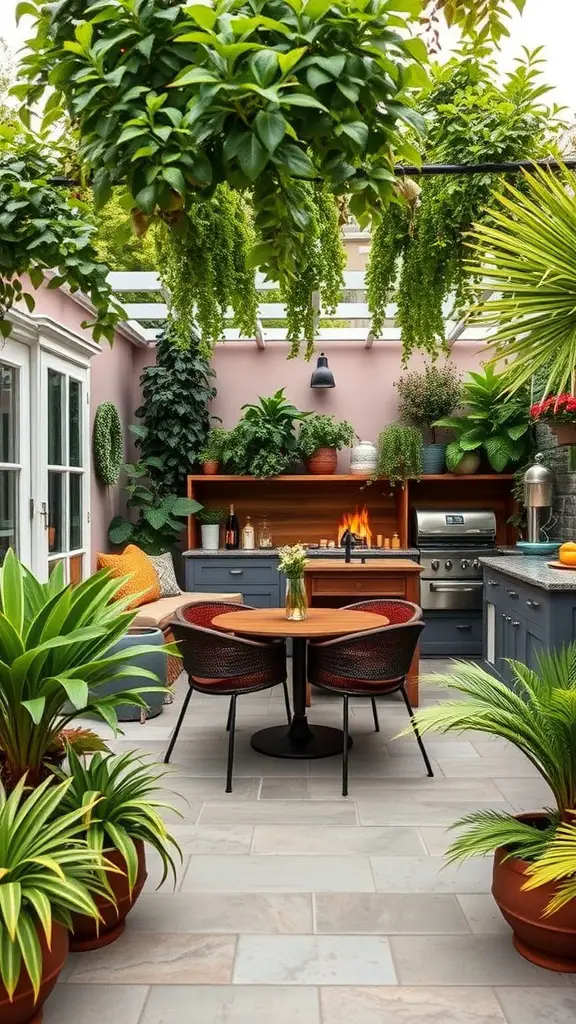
pixel 55 407
pixel 74 426
pixel 75 565
pixel 75 511
pixel 8 511
pixel 8 446
pixel 55 512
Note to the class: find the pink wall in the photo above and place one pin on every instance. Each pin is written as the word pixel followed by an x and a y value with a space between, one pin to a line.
pixel 364 392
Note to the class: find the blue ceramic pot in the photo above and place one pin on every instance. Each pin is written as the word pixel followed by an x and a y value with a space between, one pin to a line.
pixel 153 662
pixel 433 458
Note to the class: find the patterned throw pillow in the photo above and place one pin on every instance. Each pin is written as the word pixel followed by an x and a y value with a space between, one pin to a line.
pixel 166 576
pixel 144 581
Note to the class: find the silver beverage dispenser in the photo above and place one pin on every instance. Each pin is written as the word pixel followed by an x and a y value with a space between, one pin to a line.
pixel 538 499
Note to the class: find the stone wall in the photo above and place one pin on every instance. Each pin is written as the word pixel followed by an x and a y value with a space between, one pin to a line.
pixel 560 460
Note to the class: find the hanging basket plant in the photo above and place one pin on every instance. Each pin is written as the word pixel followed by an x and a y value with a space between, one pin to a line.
pixel 108 443
pixel 290 104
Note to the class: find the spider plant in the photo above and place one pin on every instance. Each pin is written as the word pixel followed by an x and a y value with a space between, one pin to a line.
pixel 127 808
pixel 538 716
pixel 53 650
pixel 47 871
pixel 557 864
pixel 525 257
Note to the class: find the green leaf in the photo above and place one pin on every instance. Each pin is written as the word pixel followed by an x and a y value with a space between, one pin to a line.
pixel 193 76
pixel 10 962
pixel 202 15
pixel 316 9
pixel 264 66
pixel 76 691
pixel 294 160
pixel 146 198
pixel 355 130
pixel 10 903
pixel 35 707
pixel 31 953
pixel 252 156
pixel 416 47
pixel 287 61
pixel 175 178
pixel 270 128
pixel 120 530
pixel 25 7
pixel 301 99
pixel 12 590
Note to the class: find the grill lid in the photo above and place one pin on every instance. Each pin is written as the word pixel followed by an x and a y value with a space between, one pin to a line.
pixel 454 528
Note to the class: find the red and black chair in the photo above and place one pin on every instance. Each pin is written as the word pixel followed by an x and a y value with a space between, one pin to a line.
pixel 397 612
pixel 222 664
pixel 367 664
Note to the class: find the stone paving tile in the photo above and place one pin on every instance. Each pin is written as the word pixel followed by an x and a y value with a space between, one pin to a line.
pixel 228 839
pixel 408 809
pixel 388 914
pixel 216 913
pixel 92 1004
pixel 411 1006
pixel 238 1004
pixel 436 838
pixel 313 960
pixel 316 812
pixel 483 915
pixel 525 794
pixel 337 839
pixel 154 958
pixel 537 1005
pixel 286 788
pixel 465 960
pixel 278 874
pixel 195 787
pixel 431 874
pixel 499 766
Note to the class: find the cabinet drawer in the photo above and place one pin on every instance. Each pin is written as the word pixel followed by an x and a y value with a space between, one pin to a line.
pixel 452 635
pixel 368 586
pixel 258 597
pixel 234 572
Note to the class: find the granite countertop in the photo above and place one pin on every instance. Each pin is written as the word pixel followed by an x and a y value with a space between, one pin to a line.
pixel 534 570
pixel 312 553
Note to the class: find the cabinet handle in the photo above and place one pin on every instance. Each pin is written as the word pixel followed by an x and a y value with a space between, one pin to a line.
pixel 503 615
pixel 512 593
pixel 515 624
pixel 235 572
pixel 493 583
pixel 508 618
pixel 464 625
pixel 533 604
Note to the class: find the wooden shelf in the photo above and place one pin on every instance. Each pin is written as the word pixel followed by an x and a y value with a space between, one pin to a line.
pixel 493 477
pixel 303 478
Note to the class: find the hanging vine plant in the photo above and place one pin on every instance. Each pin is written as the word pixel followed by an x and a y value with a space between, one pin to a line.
pixel 107 443
pixel 293 102
pixel 472 118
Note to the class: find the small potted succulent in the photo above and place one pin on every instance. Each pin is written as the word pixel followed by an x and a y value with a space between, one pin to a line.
pixel 559 414
pixel 47 873
pixel 123 820
pixel 320 440
pixel 211 454
pixel 399 454
pixel 210 519
pixel 425 398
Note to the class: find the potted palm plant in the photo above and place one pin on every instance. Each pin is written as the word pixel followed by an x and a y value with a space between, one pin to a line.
pixel 494 424
pixel 320 440
pixel 54 649
pixel 123 821
pixel 537 714
pixel 47 873
pixel 426 397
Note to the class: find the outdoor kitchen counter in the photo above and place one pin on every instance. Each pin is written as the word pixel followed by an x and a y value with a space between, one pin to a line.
pixel 312 553
pixel 532 569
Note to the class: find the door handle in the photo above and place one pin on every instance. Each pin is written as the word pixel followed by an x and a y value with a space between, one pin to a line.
pixel 235 572
pixel 493 583
pixel 464 625
pixel 44 512
pixel 533 604
pixel 455 588
pixel 515 624
pixel 512 593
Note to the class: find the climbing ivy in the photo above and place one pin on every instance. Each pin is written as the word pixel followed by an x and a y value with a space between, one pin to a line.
pixel 107 443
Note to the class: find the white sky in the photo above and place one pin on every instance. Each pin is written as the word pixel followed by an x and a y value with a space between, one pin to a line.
pixel 548 23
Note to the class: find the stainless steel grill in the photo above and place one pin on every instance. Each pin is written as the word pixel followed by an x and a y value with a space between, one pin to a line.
pixel 451 543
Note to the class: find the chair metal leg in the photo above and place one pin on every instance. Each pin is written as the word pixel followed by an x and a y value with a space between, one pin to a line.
pixel 416 733
pixel 375 713
pixel 178 724
pixel 287 702
pixel 232 721
pixel 229 716
pixel 345 749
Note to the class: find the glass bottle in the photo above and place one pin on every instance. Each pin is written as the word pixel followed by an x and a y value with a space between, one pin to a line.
pixel 232 534
pixel 248 535
pixel 264 534
pixel 296 600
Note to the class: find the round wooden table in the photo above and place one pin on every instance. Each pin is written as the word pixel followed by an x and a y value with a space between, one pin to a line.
pixel 299 740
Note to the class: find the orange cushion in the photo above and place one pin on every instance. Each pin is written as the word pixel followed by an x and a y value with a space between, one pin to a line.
pixel 144 578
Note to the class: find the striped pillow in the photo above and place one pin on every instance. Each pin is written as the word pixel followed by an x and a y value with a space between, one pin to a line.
pixel 164 567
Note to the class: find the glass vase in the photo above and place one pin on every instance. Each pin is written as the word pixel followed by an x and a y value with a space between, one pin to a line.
pixel 296 600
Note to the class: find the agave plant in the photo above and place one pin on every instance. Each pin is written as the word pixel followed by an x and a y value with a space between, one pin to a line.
pixel 53 651
pixel 556 864
pixel 127 808
pixel 525 256
pixel 538 716
pixel 494 422
pixel 47 872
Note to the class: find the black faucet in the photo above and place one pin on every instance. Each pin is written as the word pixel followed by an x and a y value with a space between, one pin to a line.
pixel 348 545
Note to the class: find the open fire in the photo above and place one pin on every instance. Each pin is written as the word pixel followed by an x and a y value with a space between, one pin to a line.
pixel 358 523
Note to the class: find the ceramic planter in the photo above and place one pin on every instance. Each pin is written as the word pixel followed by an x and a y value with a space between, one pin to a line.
pixel 322 462
pixel 23 1009
pixel 363 458
pixel 549 942
pixel 210 536
pixel 210 468
pixel 89 934
pixel 565 432
pixel 154 662
pixel 468 464
pixel 433 458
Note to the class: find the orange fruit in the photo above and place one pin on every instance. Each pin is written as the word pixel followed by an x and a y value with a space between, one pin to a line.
pixel 567 553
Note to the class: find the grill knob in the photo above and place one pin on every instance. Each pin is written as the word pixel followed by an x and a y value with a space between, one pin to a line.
pixel 448 564
pixel 435 564
pixel 476 564
pixel 464 563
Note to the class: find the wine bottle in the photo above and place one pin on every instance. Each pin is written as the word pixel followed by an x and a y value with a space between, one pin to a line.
pixel 232 534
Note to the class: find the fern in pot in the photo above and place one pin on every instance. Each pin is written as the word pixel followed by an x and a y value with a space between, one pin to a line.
pixel 210 519
pixel 320 440
pixel 425 397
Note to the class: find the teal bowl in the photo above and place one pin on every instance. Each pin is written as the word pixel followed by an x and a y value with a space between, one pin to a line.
pixel 541 547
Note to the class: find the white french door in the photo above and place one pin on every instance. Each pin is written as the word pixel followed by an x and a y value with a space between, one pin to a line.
pixel 15 529
pixel 61 530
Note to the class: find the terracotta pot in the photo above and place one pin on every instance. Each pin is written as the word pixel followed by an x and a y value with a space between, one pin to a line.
pixel 323 462
pixel 23 1009
pixel 549 942
pixel 565 432
pixel 85 932
pixel 210 468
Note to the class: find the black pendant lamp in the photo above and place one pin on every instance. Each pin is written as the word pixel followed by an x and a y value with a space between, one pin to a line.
pixel 322 376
